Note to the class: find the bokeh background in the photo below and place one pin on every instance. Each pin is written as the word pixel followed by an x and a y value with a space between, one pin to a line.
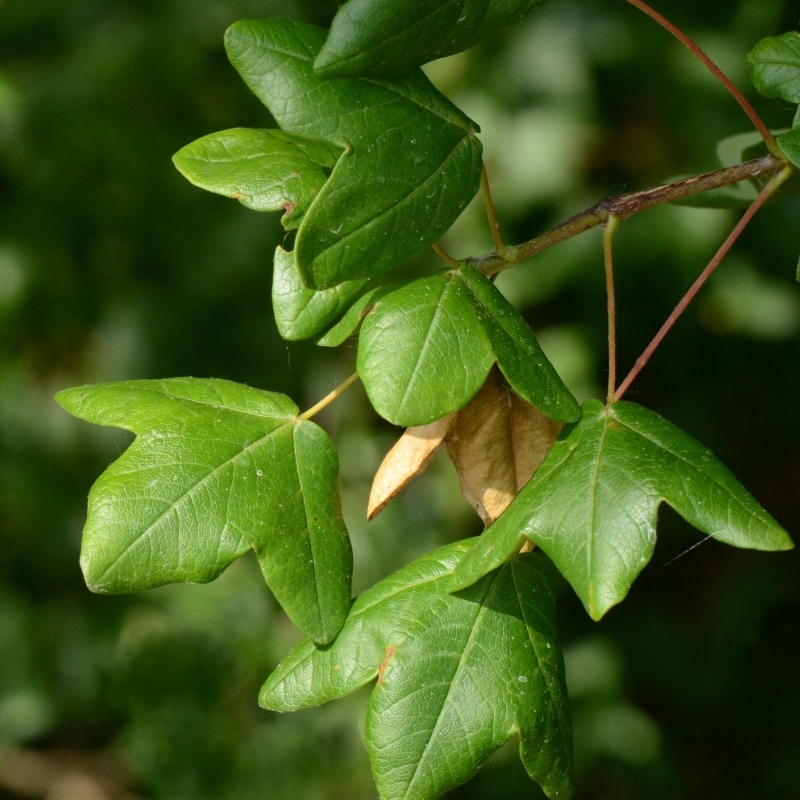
pixel 114 267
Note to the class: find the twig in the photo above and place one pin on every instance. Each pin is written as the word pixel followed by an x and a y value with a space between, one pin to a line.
pixel 327 400
pixel 608 258
pixel 623 207
pixel 765 132
pixel 491 213
pixel 445 256
pixel 762 198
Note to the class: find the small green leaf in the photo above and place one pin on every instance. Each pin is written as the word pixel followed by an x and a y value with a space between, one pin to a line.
pixel 790 146
pixel 796 121
pixel 593 504
pixel 301 313
pixel 775 67
pixel 411 161
pixel 373 37
pixel 426 348
pixel 519 355
pixel 423 352
pixel 264 170
pixel 458 675
pixel 216 469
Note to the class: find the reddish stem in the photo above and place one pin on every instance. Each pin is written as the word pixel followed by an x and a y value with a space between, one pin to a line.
pixel 717 72
pixel 497 239
pixel 767 192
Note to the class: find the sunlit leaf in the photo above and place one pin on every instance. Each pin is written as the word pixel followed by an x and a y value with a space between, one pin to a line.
pixel 458 675
pixel 216 469
pixel 411 161
pixel 426 348
pixel 373 37
pixel 593 504
pixel 266 170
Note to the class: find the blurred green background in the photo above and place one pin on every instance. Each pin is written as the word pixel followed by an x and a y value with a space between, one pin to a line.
pixel 112 266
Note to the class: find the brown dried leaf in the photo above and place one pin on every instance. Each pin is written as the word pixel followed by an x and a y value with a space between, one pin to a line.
pixel 407 459
pixel 497 442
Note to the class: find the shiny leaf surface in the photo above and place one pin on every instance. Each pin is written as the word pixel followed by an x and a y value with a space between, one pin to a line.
pixel 593 504
pixel 216 469
pixel 458 675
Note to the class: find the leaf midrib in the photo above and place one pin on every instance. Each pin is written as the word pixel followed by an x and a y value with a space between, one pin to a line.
pixel 176 503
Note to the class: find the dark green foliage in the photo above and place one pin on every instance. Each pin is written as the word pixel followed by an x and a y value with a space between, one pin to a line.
pixel 371 37
pixel 593 504
pixel 411 161
pixel 458 675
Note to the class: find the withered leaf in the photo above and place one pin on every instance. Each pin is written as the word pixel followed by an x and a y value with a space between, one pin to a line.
pixel 496 443
pixel 405 461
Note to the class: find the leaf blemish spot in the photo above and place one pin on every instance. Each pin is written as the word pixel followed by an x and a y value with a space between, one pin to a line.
pixel 390 651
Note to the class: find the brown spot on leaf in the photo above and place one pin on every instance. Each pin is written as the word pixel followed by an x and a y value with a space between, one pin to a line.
pixel 390 651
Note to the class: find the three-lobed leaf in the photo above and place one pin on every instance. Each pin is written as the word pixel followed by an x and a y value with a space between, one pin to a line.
pixel 373 37
pixel 266 170
pixel 775 67
pixel 426 348
pixel 216 469
pixel 458 675
pixel 593 504
pixel 411 159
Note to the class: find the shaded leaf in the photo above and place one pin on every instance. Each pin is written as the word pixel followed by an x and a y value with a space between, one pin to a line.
pixel 411 162
pixel 496 444
pixel 265 170
pixel 458 675
pixel 408 458
pixel 300 312
pixel 426 348
pixel 372 37
pixel 790 146
pixel 593 504
pixel 354 316
pixel 216 469
pixel 775 67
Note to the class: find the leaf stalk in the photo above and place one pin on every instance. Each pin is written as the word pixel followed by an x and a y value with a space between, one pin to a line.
pixel 762 198
pixel 608 258
pixel 328 399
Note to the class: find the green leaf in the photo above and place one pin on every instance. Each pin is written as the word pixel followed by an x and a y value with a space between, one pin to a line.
pixel 458 675
pixel 426 348
pixel 790 146
pixel 264 170
pixel 411 162
pixel 353 317
pixel 373 37
pixel 775 67
pixel 423 352
pixel 216 469
pixel 593 504
pixel 300 313
pixel 519 355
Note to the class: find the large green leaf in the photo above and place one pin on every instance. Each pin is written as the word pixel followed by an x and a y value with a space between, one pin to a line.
pixel 775 67
pixel 593 504
pixel 426 348
pixel 411 162
pixel 300 312
pixel 264 170
pixel 458 675
pixel 216 469
pixel 375 37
